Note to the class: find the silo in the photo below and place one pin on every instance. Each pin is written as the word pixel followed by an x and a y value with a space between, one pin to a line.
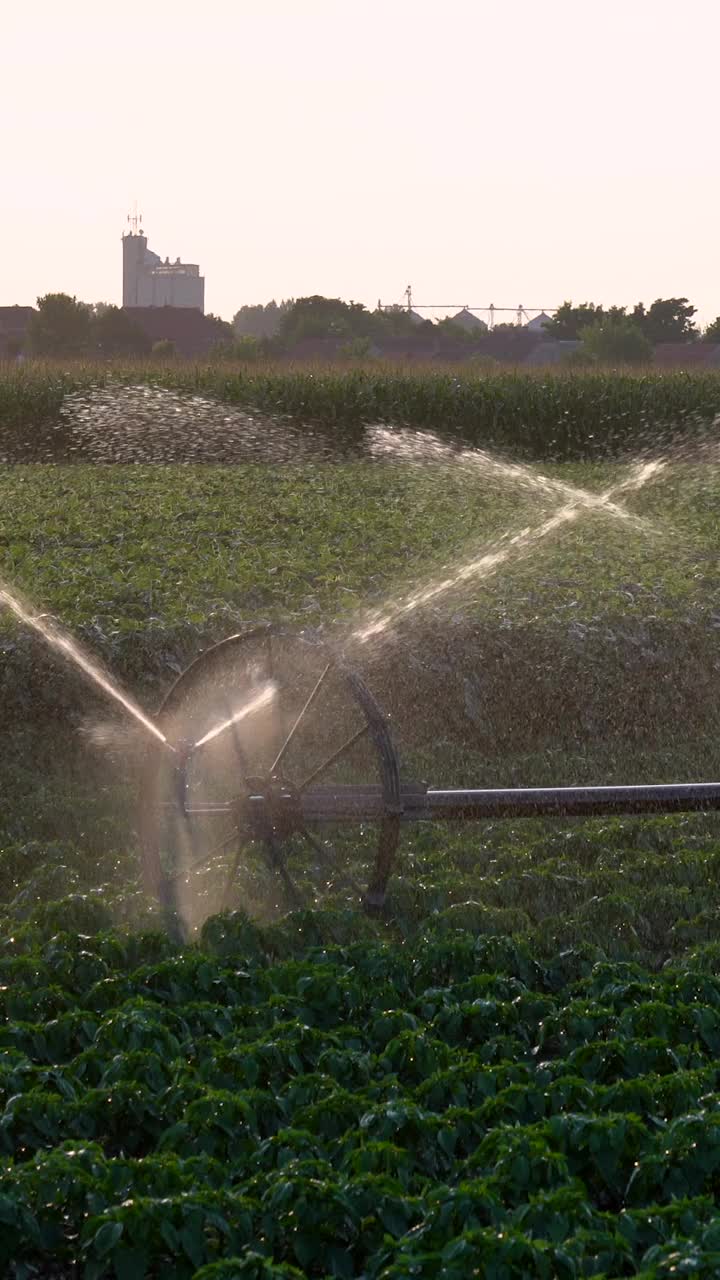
pixel 134 246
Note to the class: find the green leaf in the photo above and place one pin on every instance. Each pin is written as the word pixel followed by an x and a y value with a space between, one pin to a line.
pixel 192 1239
pixel 169 1234
pixel 107 1237
pixel 8 1210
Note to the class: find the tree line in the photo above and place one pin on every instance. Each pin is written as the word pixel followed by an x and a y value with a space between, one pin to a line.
pixel 666 320
pixel 606 334
pixel 63 326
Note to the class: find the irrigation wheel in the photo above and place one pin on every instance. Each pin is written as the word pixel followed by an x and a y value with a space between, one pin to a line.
pixel 257 722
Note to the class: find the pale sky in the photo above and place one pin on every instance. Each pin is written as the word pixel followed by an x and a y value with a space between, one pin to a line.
pixel 517 152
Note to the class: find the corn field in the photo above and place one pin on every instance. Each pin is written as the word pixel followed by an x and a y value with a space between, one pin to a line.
pixel 563 416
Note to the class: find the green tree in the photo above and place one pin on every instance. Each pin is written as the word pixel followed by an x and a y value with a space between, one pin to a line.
pixel 115 333
pixel 164 349
pixel 569 320
pixel 222 330
pixel 357 349
pixel 667 320
pixel 260 321
pixel 615 313
pixel 615 341
pixel 456 332
pixel 244 348
pixel 247 348
pixel 712 332
pixel 60 327
pixel 319 317
pixel 397 322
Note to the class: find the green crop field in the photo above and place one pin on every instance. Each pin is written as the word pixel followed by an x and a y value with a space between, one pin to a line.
pixel 535 414
pixel 132 548
pixel 515 1069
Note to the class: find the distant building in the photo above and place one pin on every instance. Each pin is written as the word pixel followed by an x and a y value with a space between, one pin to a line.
pixel 14 322
pixel 396 310
pixel 469 322
pixel 150 282
pixel 191 332
pixel 538 323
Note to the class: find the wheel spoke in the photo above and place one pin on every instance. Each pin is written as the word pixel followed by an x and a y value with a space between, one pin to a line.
pixel 231 875
pixel 309 838
pixel 270 669
pixel 208 857
pixel 290 887
pixel 275 862
pixel 278 759
pixel 322 853
pixel 322 768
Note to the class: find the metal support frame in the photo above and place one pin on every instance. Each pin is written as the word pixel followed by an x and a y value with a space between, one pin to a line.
pixel 277 808
pixel 421 804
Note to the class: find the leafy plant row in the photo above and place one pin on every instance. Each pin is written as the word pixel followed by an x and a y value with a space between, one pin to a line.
pixel 452 1105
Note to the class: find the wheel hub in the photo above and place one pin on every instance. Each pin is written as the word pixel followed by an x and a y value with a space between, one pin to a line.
pixel 269 810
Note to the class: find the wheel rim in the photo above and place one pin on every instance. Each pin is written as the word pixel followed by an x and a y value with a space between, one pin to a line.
pixel 320 725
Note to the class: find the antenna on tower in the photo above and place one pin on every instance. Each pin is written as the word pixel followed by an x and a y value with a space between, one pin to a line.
pixel 408 295
pixel 135 220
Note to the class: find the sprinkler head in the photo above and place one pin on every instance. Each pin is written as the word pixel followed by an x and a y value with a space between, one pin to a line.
pixel 182 750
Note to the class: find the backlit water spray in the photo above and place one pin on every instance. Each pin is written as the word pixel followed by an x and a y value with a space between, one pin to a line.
pixel 422 447
pixel 501 551
pixel 406 446
pixel 62 643
pixel 262 699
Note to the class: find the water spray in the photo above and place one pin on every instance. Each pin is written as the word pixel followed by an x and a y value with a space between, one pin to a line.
pixel 500 552
pixel 60 641
pixel 262 699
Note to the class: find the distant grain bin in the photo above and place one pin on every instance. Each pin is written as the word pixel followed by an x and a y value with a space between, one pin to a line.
pixel 469 322
pixel 538 323
pixel 150 282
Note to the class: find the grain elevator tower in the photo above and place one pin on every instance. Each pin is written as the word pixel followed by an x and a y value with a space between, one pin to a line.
pixel 150 282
